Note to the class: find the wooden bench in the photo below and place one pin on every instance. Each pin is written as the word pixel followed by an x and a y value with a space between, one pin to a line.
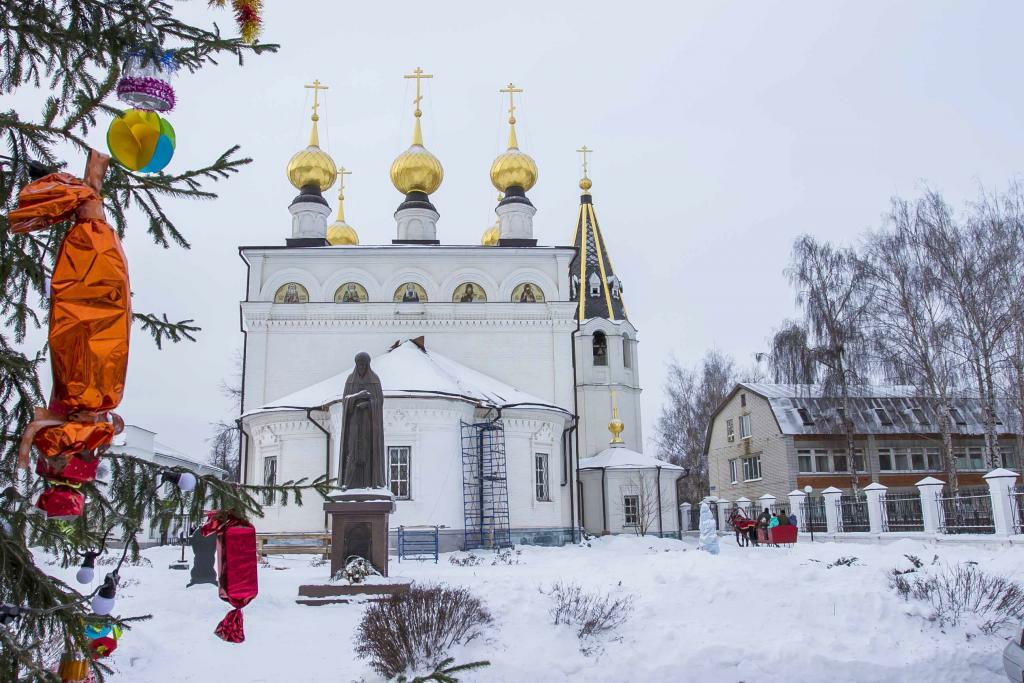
pixel 294 544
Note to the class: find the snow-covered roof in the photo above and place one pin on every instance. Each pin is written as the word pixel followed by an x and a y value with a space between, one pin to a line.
pixel 410 371
pixel 805 409
pixel 622 458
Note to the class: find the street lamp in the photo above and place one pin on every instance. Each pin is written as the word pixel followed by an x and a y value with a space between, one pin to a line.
pixel 807 509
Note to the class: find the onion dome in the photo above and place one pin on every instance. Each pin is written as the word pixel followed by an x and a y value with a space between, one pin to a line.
pixel 416 169
pixel 340 233
pixel 513 168
pixel 491 236
pixel 312 167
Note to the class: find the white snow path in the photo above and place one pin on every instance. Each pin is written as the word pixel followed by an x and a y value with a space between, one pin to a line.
pixel 753 615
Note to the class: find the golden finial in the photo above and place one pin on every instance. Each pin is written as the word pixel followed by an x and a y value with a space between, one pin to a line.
pixel 316 87
pixel 615 425
pixel 417 133
pixel 339 232
pixel 585 183
pixel 511 90
pixel 312 167
pixel 342 172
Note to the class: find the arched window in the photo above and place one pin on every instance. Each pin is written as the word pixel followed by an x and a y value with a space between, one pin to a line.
pixel 627 355
pixel 600 348
pixel 291 293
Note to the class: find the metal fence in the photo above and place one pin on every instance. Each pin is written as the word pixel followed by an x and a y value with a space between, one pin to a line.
pixel 1017 507
pixel 902 512
pixel 852 514
pixel 966 514
pixel 694 518
pixel 812 515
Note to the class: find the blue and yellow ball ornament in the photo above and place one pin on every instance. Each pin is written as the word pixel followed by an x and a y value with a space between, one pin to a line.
pixel 141 140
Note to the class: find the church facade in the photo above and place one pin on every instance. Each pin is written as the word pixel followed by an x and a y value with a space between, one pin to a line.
pixel 499 362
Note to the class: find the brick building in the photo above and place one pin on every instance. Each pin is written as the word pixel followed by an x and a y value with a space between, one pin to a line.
pixel 773 438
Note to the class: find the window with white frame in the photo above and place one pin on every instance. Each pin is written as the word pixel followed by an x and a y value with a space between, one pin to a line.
pixel 398 470
pixel 540 476
pixel 730 431
pixel 909 460
pixel 732 470
pixel 627 357
pixel 752 468
pixel 631 510
pixel 824 461
pixel 600 344
pixel 745 428
pixel 269 478
pixel 969 458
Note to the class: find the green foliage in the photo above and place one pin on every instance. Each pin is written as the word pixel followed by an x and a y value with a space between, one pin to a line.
pixel 68 54
pixel 444 671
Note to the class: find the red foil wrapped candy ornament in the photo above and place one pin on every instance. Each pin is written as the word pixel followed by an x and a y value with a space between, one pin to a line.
pixel 236 569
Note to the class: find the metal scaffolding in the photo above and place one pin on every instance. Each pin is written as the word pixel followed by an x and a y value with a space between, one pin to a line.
pixel 485 485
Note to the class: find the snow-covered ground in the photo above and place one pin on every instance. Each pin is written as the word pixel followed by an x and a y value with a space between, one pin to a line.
pixel 757 614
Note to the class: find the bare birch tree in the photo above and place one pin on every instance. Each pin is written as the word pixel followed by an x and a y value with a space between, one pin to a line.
pixel 833 297
pixel 644 486
pixel 910 322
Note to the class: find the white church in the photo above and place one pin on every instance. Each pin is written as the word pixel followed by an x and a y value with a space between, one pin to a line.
pixel 509 369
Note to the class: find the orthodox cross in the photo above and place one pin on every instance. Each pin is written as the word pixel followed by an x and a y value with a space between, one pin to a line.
pixel 342 172
pixel 418 74
pixel 584 150
pixel 511 90
pixel 316 88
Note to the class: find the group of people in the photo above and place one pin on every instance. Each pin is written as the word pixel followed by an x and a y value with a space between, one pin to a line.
pixel 755 531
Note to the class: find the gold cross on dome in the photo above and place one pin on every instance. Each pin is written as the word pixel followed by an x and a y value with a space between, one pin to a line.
pixel 511 90
pixel 316 87
pixel 418 75
pixel 584 150
pixel 342 172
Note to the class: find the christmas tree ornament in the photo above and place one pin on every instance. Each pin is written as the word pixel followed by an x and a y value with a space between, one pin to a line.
pixel 98 630
pixel 146 83
pixel 141 140
pixel 89 326
pixel 72 669
pixel 186 481
pixel 236 569
pixel 87 572
pixel 61 502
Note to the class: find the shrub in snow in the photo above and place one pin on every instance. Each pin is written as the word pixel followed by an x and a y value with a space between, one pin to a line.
pixel 954 592
pixel 356 570
pixel 708 530
pixel 507 556
pixel 842 562
pixel 411 634
pixel 590 613
pixel 467 560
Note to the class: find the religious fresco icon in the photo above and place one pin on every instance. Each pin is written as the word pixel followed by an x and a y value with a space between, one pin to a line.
pixel 469 293
pixel 410 293
pixel 291 293
pixel 527 293
pixel 351 293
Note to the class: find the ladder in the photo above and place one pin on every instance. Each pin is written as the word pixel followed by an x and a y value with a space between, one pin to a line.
pixel 485 486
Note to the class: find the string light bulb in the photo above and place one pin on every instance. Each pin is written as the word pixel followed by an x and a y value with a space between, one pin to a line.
pixel 87 572
pixel 186 481
pixel 103 601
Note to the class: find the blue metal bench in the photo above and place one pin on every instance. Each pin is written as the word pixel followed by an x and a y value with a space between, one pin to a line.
pixel 418 543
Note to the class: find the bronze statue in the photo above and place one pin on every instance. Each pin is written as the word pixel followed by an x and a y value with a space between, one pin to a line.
pixel 362 445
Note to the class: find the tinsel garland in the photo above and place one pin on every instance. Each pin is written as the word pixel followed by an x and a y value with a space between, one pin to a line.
pixel 247 15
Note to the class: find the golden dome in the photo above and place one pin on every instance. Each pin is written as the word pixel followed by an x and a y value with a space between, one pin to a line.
pixel 312 166
pixel 491 236
pixel 513 168
pixel 585 184
pixel 341 233
pixel 416 169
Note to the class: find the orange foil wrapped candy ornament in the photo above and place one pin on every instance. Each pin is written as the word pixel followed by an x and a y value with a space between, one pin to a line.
pixel 90 313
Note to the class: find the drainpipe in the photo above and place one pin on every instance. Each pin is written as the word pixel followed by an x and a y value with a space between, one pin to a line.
pixel 576 421
pixel 327 449
pixel 243 452
pixel 241 396
pixel 604 500
pixel 661 531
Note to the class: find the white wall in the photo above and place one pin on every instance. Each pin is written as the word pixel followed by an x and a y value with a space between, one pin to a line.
pixel 595 383
pixel 620 482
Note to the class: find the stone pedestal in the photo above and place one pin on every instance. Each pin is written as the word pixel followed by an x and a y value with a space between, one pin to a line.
pixel 359 526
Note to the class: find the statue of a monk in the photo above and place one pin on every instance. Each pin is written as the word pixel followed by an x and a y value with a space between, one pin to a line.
pixel 362 444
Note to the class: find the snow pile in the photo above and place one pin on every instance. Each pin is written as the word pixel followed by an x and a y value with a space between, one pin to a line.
pixel 747 614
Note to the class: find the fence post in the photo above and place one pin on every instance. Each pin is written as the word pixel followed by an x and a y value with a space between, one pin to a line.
pixel 876 513
pixel 765 501
pixel 1000 482
pixel 744 504
pixel 684 509
pixel 796 501
pixel 724 507
pixel 930 489
pixel 831 496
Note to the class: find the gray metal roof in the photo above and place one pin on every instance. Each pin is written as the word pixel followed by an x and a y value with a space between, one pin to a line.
pixel 802 409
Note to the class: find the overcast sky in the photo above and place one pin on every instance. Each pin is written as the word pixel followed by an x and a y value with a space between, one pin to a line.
pixel 721 132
